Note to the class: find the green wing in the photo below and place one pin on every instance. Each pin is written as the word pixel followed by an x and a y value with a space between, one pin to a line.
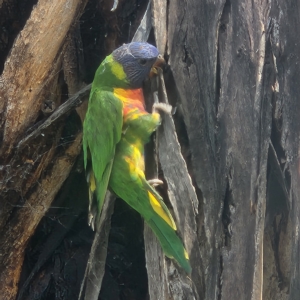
pixel 101 132
pixel 128 182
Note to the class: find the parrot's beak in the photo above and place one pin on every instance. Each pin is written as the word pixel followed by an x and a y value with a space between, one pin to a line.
pixel 159 63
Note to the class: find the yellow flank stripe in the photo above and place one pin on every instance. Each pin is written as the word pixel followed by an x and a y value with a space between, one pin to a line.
pixel 186 255
pixel 136 153
pixel 132 115
pixel 118 70
pixel 141 166
pixel 156 116
pixel 131 165
pixel 159 210
pixel 92 182
pixel 135 162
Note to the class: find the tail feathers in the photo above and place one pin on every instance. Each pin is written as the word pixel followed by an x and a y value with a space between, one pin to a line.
pixel 170 242
pixel 158 204
pixel 97 191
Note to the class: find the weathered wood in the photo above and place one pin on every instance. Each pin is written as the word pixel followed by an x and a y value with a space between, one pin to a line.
pixel 92 281
pixel 73 65
pixel 30 77
pixel 192 47
pixel 27 68
pixel 76 100
pixel 285 49
pixel 248 141
pixel 22 226
pixel 159 22
pixel 173 282
pixel 224 71
pixel 143 31
pixel 184 201
pixel 156 267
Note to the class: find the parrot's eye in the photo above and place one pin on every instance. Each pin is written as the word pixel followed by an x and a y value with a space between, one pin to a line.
pixel 142 61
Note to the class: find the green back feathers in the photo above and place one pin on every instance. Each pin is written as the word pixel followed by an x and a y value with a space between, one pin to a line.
pixel 109 75
pixel 102 130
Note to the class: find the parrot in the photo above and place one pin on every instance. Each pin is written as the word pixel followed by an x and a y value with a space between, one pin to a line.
pixel 127 181
pixel 118 78
pixel 115 130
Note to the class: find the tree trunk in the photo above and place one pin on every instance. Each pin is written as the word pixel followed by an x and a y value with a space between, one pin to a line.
pixel 229 156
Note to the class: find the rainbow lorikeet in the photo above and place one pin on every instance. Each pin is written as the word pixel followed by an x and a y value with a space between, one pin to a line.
pixel 115 130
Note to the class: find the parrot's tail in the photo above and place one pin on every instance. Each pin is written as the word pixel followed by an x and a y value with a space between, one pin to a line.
pixel 170 242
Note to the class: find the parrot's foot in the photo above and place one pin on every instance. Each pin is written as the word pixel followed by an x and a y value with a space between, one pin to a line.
pixel 155 182
pixel 91 221
pixel 166 108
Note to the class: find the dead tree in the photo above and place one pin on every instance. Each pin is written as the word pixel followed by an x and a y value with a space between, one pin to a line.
pixel 228 157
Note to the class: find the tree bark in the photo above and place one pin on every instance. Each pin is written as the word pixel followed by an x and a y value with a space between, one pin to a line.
pixel 234 68
pixel 29 81
pixel 229 156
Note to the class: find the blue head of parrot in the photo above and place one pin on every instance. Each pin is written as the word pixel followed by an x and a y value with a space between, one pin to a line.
pixel 137 59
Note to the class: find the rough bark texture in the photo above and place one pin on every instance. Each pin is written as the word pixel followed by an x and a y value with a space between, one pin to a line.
pixel 235 65
pixel 29 78
pixel 27 71
pixel 229 157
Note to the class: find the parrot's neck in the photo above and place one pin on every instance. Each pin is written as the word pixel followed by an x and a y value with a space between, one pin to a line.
pixel 133 99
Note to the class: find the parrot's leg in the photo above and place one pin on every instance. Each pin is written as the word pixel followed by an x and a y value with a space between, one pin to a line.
pixel 155 182
pixel 91 221
pixel 166 108
pixel 92 188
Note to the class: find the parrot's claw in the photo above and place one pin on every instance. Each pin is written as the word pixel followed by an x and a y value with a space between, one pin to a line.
pixel 91 221
pixel 155 182
pixel 166 108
